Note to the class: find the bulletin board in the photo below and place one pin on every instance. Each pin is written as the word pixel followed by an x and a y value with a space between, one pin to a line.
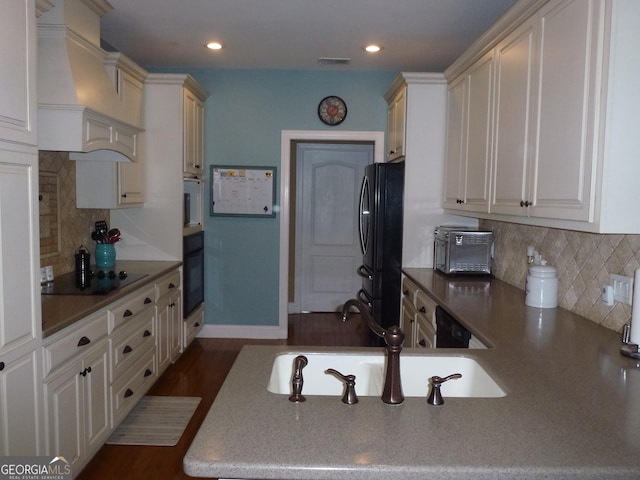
pixel 243 191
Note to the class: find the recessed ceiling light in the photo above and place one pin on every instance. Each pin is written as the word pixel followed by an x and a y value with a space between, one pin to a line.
pixel 214 46
pixel 373 48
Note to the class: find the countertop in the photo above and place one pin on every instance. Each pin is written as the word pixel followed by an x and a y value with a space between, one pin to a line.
pixel 60 311
pixel 572 408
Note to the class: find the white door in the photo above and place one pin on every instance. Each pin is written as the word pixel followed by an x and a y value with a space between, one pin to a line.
pixel 328 179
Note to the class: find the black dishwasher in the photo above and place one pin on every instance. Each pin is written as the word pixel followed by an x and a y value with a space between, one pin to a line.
pixel 449 333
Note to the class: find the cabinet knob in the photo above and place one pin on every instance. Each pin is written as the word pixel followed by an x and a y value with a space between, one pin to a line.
pixel 147 372
pixel 127 349
pixel 196 324
pixel 525 203
pixel 405 292
pixel 146 333
pixel 423 310
pixel 422 343
pixel 1 366
pixel 83 341
pixel 196 166
pixel 128 393
pixel 127 313
pixel 171 285
pixel 124 195
pixel 147 301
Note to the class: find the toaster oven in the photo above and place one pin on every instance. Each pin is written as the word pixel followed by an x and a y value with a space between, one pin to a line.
pixel 463 250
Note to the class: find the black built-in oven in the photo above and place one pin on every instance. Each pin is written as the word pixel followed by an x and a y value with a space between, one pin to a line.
pixel 193 272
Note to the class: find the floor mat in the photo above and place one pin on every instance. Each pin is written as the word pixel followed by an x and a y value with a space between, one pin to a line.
pixel 155 420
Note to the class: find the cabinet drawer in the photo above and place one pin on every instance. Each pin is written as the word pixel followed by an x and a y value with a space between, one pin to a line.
pixel 131 387
pixel 193 325
pixel 425 333
pixel 132 305
pixel 168 284
pixel 74 341
pixel 409 289
pixel 426 306
pixel 130 343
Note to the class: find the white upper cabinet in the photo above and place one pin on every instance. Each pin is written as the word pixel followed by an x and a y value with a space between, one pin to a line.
pixel 469 127
pixel 564 148
pixel 396 124
pixel 513 132
pixel 17 79
pixel 193 129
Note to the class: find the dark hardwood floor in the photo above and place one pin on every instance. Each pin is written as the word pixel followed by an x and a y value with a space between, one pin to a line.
pixel 200 372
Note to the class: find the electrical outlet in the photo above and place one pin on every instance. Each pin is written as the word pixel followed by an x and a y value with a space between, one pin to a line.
pixel 622 288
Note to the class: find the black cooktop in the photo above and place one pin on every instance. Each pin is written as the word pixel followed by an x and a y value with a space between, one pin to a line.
pixel 98 283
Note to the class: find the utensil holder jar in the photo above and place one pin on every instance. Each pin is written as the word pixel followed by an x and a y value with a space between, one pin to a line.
pixel 105 255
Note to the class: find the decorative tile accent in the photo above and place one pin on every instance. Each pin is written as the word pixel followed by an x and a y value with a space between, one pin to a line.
pixel 584 262
pixel 74 224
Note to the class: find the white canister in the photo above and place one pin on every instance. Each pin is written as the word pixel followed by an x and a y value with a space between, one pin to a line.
pixel 542 287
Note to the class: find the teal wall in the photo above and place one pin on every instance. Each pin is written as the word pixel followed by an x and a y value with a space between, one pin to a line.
pixel 244 117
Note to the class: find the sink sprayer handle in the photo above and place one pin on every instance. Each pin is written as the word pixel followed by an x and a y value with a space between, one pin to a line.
pixel 435 397
pixel 297 380
pixel 349 396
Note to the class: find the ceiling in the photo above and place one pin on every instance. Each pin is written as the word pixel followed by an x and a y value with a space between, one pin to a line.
pixel 416 35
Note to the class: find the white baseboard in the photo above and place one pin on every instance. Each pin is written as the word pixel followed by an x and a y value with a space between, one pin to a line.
pixel 243 331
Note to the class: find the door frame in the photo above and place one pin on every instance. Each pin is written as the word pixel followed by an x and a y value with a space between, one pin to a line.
pixel 286 137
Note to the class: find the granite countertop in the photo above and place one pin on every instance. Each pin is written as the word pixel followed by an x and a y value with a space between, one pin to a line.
pixel 60 311
pixel 572 408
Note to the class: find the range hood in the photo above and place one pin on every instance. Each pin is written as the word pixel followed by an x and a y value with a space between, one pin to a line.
pixel 79 108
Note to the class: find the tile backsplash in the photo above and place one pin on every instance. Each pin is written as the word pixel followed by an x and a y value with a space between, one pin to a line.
pixel 63 227
pixel 584 262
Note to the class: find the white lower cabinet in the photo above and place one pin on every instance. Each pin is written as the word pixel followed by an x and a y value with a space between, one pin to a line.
pixel 78 407
pixel 192 326
pixel 168 320
pixel 19 409
pixel 418 316
pixel 96 370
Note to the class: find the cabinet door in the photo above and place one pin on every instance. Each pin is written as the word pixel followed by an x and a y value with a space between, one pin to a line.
pixel 175 339
pixel 396 127
pixel 163 332
pixel 514 100
pixel 193 126
pixel 17 81
pixel 18 315
pixel 95 385
pixel 561 185
pixel 64 410
pixel 19 380
pixel 456 142
pixel 476 165
pixel 131 182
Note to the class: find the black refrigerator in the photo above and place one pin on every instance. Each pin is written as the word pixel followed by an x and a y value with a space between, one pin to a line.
pixel 380 225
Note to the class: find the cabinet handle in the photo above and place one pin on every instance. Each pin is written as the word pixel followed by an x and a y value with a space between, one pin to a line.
pixel 128 393
pixel 127 349
pixel 1 366
pixel 83 341
pixel 147 301
pixel 171 285
pixel 127 313
pixel 146 333
pixel 525 203
pixel 423 310
pixel 422 343
pixel 147 372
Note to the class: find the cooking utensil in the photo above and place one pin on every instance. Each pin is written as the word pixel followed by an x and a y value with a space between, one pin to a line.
pixel 101 229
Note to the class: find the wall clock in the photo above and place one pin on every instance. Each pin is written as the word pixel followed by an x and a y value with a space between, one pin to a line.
pixel 332 110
